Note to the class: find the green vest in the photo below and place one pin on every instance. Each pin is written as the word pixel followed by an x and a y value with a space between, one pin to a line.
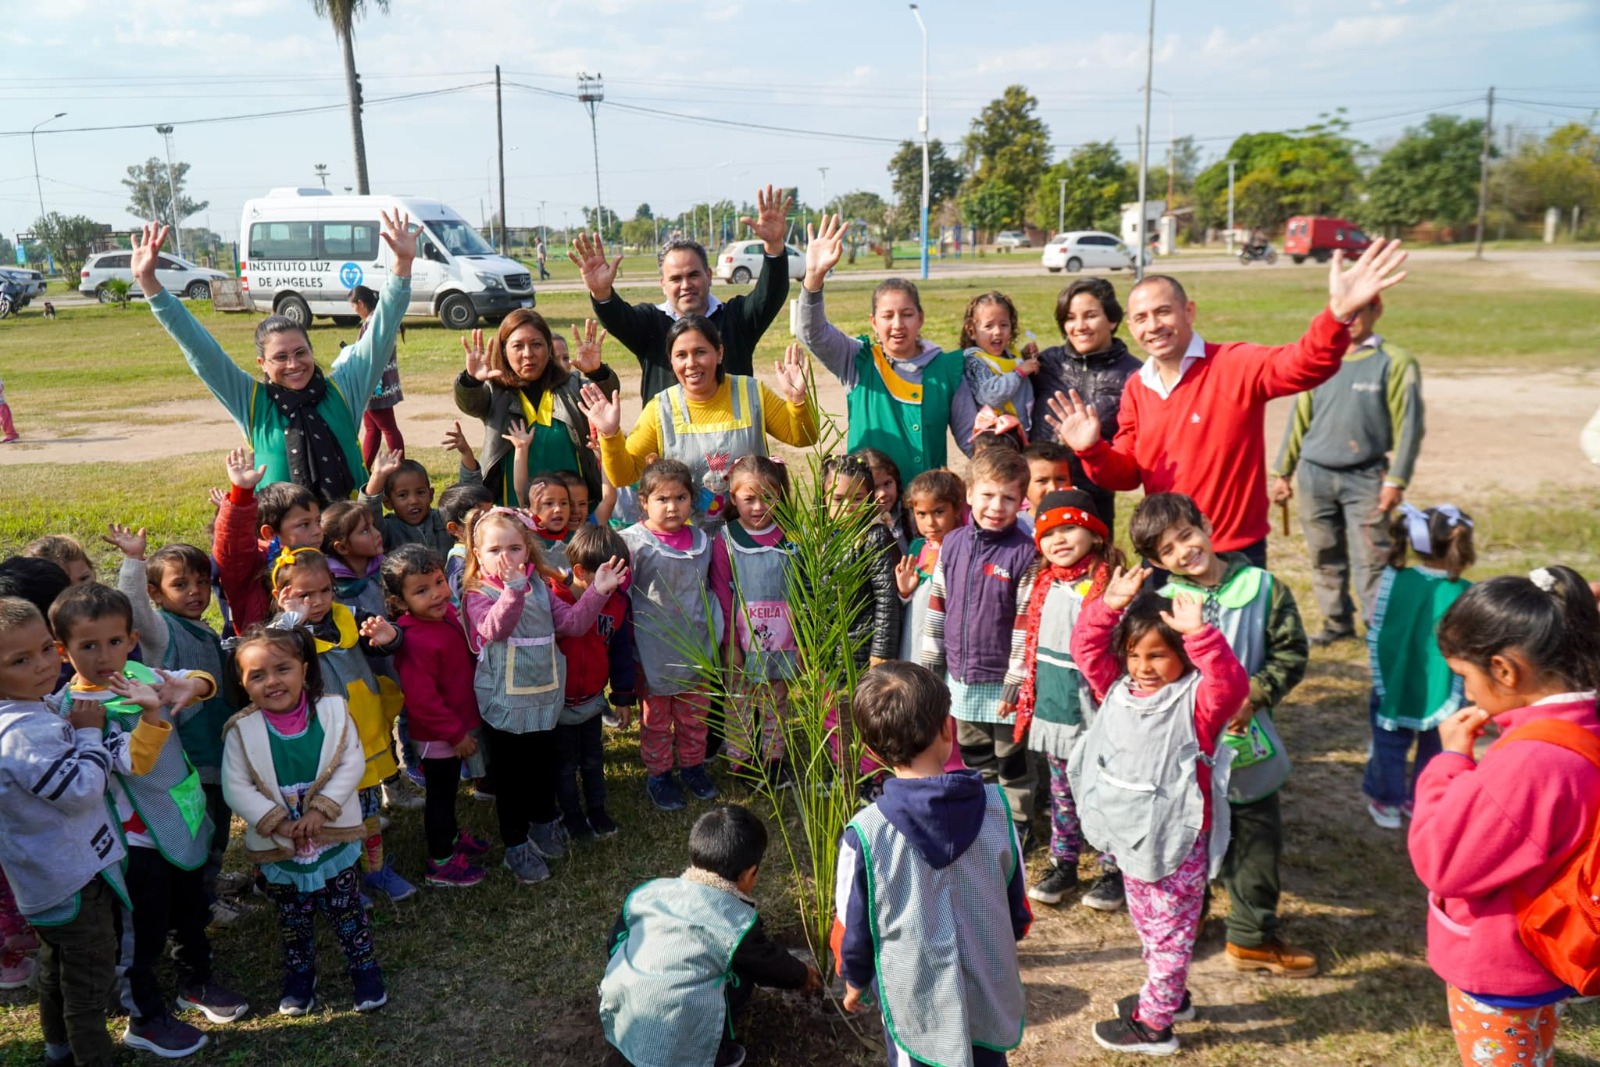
pixel 193 646
pixel 168 797
pixel 909 423
pixel 266 433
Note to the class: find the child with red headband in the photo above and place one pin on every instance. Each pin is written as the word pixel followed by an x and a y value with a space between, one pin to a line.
pixel 1052 702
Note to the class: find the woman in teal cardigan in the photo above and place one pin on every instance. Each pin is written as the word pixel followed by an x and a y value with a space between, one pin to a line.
pixel 302 424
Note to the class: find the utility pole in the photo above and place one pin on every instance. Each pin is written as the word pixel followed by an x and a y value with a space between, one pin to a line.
pixel 1483 176
pixel 590 92
pixel 500 144
pixel 1061 209
pixel 543 236
pixel 1144 146
pixel 36 186
pixel 1230 207
pixel 923 239
pixel 172 193
pixel 824 172
pixel 321 170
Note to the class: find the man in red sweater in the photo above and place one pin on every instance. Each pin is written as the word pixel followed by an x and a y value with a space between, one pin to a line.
pixel 1192 419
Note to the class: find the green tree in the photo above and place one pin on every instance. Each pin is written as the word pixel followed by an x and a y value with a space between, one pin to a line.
pixel 1097 186
pixel 150 193
pixel 1185 163
pixel 8 251
pixel 905 174
pixel 343 14
pixel 643 212
pixel 69 239
pixel 1429 175
pixel 1311 171
pixel 639 233
pixel 612 230
pixel 1561 171
pixel 990 205
pixel 1008 145
pixel 864 210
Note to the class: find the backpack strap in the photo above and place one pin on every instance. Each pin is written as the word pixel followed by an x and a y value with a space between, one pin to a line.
pixel 1560 733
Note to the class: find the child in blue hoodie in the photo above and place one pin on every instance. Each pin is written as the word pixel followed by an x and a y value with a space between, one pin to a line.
pixel 928 940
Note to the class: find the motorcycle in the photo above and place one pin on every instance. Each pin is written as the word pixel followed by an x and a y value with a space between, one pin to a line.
pixel 1262 252
pixel 8 300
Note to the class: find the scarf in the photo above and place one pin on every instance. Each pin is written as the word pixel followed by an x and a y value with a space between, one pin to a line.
pixel 1049 574
pixel 316 459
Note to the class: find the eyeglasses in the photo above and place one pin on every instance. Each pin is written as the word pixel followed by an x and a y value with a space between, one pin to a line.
pixel 283 359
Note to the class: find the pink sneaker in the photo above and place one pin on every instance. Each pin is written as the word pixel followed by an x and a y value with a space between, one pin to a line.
pixel 471 847
pixel 26 943
pixel 16 975
pixel 455 873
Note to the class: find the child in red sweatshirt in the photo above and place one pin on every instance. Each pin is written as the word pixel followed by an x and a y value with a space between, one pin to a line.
pixel 250 530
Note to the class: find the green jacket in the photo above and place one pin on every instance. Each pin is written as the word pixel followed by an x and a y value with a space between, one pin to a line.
pixel 1287 650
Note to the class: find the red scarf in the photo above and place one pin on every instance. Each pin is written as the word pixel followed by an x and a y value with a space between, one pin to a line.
pixel 1049 574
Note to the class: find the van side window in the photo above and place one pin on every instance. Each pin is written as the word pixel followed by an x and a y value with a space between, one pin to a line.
pixel 348 240
pixel 282 240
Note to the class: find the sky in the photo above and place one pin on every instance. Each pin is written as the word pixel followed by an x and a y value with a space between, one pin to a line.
pixel 841 79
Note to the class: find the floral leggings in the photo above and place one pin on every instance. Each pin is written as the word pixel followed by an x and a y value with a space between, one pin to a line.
pixel 340 901
pixel 1487 1036
pixel 1166 915
pixel 1066 843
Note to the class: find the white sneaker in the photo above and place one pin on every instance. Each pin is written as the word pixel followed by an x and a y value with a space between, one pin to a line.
pixel 1387 816
pixel 225 913
pixel 401 795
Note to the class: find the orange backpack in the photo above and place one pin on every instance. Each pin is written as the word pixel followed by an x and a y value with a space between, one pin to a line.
pixel 1560 925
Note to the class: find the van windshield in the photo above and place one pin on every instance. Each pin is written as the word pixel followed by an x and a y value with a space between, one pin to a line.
pixel 458 238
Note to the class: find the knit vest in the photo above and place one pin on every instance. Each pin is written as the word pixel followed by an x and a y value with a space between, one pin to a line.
pixel 662 1000
pixel 193 646
pixel 908 422
pixel 374 702
pixel 266 433
pixel 1133 777
pixel 761 606
pixel 1241 608
pixel 709 448
pixel 521 682
pixel 947 966
pixel 168 797
pixel 1062 705
pixel 677 623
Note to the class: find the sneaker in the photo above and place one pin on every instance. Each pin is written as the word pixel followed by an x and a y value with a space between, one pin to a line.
pixel 525 864
pixel 729 1054
pixel 457 872
pixel 370 994
pixel 415 776
pixel 603 824
pixel 1107 893
pixel 470 846
pixel 400 795
pixel 233 883
pixel 16 975
pixel 169 1038
pixel 1184 1014
pixel 1131 1035
pixel 548 838
pixel 610 719
pixel 1387 816
pixel 664 792
pixel 216 1003
pixel 299 995
pixel 26 942
pixel 697 781
pixel 1275 957
pixel 577 828
pixel 1409 810
pixel 387 880
pixel 225 913
pixel 481 791
pixel 1059 880
pixel 1330 635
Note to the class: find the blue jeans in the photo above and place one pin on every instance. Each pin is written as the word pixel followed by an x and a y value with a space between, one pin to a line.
pixel 1385 781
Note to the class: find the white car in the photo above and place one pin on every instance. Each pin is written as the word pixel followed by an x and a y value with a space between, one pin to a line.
pixel 1079 249
pixel 177 276
pixel 1012 239
pixel 741 261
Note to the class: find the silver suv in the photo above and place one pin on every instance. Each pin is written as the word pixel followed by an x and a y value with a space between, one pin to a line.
pixel 177 276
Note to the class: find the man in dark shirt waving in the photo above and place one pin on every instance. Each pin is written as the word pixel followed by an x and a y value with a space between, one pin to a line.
pixel 686 284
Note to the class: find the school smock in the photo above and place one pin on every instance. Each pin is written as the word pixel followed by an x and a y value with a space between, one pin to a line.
pixel 749 576
pixel 1063 707
pixel 1415 687
pixel 373 700
pixel 351 380
pixel 677 623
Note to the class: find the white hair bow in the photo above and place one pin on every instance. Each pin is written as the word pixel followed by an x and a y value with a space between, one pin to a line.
pixel 1417 524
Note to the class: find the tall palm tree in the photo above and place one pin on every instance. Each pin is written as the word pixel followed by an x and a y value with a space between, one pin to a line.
pixel 343 14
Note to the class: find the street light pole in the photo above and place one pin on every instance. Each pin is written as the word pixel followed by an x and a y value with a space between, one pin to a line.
pixel 923 240
pixel 824 172
pixel 1144 146
pixel 37 187
pixel 1230 207
pixel 590 92
pixel 1061 209
pixel 172 193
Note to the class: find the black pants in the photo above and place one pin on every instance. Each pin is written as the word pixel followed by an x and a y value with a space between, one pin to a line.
pixel 1256 553
pixel 582 750
pixel 221 822
pixel 1250 871
pixel 442 777
pixel 77 971
pixel 523 767
pixel 165 898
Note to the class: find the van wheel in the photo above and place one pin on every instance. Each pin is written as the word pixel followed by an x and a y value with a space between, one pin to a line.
pixel 741 275
pixel 198 291
pixel 295 310
pixel 1074 265
pixel 1322 255
pixel 1298 259
pixel 457 313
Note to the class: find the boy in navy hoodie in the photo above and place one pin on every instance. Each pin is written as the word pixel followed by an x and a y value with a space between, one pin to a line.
pixel 929 939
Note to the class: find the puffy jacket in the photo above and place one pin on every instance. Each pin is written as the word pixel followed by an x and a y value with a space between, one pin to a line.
pixel 1098 377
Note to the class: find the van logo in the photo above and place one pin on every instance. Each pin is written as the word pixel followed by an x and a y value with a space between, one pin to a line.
pixel 350 275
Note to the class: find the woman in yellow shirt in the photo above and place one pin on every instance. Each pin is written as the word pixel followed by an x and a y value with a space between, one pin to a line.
pixel 707 420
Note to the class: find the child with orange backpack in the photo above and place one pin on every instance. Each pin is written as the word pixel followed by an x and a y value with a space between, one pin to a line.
pixel 1528 650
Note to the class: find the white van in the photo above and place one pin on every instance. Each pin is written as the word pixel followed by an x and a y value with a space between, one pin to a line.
pixel 303 250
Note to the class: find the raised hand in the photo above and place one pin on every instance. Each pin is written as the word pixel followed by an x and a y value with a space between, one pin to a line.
pixel 772 219
pixel 519 434
pixel 1187 615
pixel 906 578
pixel 589 255
pixel 508 571
pixel 454 438
pixel 586 344
pixel 610 576
pixel 131 544
pixel 242 469
pixel 1378 268
pixel 134 692
pixel 1124 586
pixel 178 691
pixel 603 412
pixel 1076 424
pixel 378 630
pixel 145 253
pixel 401 238
pixel 478 360
pixel 824 248
pixel 216 496
pixel 794 374
pixel 384 464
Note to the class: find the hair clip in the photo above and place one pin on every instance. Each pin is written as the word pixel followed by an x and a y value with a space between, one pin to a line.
pixel 1543 578
pixel 287 620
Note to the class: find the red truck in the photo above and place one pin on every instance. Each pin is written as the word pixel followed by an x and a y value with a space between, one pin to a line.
pixel 1316 237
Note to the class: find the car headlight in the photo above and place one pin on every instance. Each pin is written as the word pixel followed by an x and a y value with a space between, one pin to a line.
pixel 490 281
